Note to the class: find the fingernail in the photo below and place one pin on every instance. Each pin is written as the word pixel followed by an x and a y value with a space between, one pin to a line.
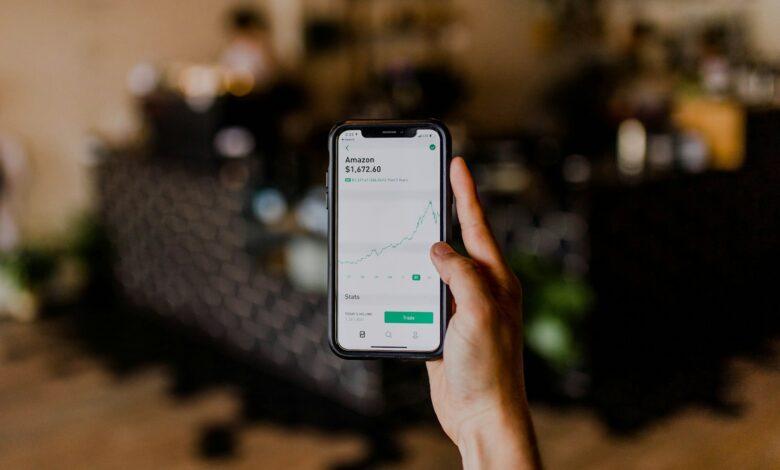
pixel 441 249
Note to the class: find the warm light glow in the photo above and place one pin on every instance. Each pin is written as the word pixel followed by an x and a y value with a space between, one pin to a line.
pixel 143 79
pixel 631 147
pixel 200 85
pixel 239 83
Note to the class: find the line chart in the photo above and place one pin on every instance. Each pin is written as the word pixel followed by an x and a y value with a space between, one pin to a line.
pixel 375 252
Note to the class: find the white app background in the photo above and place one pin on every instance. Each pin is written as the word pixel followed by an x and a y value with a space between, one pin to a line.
pixel 388 216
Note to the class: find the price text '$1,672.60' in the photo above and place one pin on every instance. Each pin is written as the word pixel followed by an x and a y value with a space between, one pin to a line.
pixel 362 169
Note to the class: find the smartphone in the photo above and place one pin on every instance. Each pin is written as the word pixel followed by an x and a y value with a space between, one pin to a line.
pixel 389 200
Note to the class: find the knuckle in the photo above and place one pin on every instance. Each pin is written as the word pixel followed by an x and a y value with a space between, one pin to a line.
pixel 466 267
pixel 455 266
pixel 477 224
pixel 514 288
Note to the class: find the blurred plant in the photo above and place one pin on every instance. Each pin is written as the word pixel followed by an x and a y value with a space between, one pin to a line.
pixel 49 273
pixel 16 300
pixel 555 306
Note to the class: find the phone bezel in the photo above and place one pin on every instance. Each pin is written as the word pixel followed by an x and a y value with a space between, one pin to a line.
pixel 379 126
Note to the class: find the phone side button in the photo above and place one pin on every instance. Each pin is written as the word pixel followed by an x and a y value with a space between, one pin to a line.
pixel 327 175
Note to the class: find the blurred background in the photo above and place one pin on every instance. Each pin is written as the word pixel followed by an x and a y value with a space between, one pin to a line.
pixel 163 229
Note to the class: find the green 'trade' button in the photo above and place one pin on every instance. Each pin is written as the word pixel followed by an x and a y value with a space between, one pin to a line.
pixel 408 317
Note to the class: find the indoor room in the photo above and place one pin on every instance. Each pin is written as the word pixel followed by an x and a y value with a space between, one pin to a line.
pixel 168 266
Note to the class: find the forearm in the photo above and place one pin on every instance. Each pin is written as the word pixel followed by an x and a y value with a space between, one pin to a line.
pixel 505 440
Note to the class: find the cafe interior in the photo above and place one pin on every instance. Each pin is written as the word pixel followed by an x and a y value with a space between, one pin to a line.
pixel 163 231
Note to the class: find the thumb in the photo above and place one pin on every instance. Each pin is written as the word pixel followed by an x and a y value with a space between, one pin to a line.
pixel 462 275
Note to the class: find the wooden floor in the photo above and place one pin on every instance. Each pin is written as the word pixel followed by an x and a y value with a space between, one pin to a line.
pixel 60 408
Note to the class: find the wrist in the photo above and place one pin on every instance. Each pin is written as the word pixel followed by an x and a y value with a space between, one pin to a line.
pixel 500 438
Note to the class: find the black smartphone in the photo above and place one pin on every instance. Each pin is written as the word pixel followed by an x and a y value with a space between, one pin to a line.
pixel 389 200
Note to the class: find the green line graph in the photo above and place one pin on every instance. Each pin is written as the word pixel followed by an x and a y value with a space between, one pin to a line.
pixel 375 252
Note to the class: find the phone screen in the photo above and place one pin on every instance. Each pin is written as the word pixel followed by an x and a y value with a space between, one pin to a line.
pixel 388 214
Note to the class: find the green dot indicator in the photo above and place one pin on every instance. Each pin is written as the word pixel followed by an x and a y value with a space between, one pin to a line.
pixel 415 277
pixel 432 146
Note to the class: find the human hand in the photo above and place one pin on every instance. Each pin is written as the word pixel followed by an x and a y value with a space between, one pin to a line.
pixel 477 388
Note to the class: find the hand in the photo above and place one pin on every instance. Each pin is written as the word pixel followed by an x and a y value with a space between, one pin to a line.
pixel 477 388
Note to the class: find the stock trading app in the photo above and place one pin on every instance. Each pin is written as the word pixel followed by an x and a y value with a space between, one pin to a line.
pixel 388 216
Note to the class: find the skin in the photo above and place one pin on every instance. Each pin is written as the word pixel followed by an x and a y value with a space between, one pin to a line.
pixel 477 387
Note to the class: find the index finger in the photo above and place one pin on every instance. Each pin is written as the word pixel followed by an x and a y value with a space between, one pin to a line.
pixel 477 236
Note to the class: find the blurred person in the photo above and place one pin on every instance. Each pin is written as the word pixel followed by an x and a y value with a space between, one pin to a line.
pixel 477 387
pixel 249 51
pixel 646 82
pixel 714 66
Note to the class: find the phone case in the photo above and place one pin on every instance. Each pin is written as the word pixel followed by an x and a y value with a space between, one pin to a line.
pixel 331 185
